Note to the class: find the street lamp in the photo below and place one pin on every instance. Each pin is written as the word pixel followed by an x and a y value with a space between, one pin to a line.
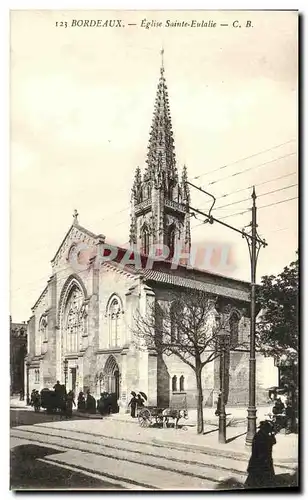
pixel 28 392
pixel 223 338
pixel 254 244
pixel 65 371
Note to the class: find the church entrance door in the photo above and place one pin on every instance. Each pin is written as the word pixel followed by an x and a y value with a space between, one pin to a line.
pixel 112 377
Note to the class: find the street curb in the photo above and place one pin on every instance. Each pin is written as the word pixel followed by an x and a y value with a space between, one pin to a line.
pixel 207 450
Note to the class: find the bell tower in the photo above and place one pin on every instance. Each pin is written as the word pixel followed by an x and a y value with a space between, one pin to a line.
pixel 160 199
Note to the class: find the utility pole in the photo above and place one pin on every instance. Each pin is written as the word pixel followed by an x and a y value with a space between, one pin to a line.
pixel 254 244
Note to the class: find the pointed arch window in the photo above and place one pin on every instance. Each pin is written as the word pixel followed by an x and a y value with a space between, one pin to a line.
pixel 44 329
pixel 181 383
pixel 171 240
pixel 174 383
pixel 234 329
pixel 114 311
pixel 145 240
pixel 73 319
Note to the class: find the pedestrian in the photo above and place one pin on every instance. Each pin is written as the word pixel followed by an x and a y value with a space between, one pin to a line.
pixel 81 402
pixel 57 387
pixel 218 407
pixel 90 403
pixel 133 404
pixel 37 401
pixel 140 401
pixel 69 404
pixel 32 397
pixel 260 469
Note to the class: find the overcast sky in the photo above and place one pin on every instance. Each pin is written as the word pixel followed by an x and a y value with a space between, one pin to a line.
pixel 81 108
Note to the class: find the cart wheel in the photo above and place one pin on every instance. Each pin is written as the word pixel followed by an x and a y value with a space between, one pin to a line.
pixel 144 418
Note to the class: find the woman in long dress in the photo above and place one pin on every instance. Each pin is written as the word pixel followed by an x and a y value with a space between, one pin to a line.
pixel 133 404
pixel 260 470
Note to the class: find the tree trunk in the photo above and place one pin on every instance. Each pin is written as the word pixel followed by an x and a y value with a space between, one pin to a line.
pixel 200 425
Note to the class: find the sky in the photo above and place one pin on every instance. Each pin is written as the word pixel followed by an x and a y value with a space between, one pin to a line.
pixel 82 100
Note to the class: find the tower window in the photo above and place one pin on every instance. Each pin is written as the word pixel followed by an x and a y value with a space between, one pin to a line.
pixel 181 383
pixel 145 241
pixel 171 240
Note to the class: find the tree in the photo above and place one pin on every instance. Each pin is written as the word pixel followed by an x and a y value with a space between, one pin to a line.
pixel 185 326
pixel 277 325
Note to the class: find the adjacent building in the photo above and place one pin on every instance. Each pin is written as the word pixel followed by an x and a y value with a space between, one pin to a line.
pixel 18 352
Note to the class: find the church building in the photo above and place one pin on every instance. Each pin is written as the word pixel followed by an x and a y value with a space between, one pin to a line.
pixel 81 328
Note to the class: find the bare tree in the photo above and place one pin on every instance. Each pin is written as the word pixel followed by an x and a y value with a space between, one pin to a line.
pixel 186 325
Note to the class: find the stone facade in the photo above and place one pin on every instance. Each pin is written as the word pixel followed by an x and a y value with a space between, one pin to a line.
pixel 85 317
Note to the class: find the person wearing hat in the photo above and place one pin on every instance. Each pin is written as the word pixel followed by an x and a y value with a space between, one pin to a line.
pixel 133 404
pixel 260 469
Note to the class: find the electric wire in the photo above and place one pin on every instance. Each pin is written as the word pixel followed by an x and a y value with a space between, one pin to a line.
pixel 242 159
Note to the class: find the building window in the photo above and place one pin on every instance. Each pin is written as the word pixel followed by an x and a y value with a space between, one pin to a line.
pixel 182 383
pixel 114 317
pixel 234 324
pixel 44 329
pixel 174 384
pixel 73 320
pixel 36 376
pixel 145 241
pixel 171 240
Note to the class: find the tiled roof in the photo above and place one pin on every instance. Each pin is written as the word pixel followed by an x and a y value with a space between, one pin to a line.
pixel 176 280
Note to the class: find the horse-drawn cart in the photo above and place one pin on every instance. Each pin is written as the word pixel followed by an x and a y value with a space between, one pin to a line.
pixel 149 415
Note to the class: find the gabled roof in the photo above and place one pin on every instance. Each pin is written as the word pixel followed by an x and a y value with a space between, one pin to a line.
pixel 80 228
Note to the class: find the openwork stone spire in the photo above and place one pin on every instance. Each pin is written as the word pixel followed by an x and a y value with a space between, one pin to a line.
pixel 160 199
pixel 161 157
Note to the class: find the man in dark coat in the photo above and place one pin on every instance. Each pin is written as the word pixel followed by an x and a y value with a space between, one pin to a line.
pixel 90 403
pixel 81 402
pixel 260 469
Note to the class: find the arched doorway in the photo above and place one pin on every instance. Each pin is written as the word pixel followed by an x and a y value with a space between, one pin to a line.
pixel 112 377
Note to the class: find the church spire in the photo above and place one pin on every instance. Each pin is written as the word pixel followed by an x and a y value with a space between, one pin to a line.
pixel 161 157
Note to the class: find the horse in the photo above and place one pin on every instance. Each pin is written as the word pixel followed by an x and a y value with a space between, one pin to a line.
pixel 175 414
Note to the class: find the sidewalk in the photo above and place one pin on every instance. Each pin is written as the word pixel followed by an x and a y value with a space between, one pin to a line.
pixel 236 416
pixel 16 403
pixel 124 427
pixel 284 452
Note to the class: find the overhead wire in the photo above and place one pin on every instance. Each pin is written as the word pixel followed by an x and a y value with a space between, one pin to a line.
pixel 242 159
pixel 251 168
pixel 259 196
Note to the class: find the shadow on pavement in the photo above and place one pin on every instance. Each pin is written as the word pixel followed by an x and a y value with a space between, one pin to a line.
pixel 209 432
pixel 26 417
pixel 288 480
pixel 28 473
pixel 235 437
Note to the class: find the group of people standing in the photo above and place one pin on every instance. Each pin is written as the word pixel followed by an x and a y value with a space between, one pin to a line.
pixel 137 401
pixel 86 402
